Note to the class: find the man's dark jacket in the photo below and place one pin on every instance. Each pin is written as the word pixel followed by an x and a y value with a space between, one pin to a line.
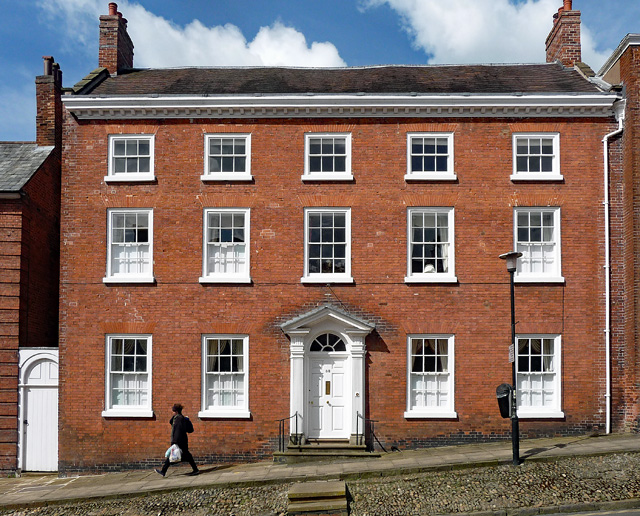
pixel 180 425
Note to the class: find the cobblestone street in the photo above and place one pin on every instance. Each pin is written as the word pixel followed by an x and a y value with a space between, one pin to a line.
pixel 533 485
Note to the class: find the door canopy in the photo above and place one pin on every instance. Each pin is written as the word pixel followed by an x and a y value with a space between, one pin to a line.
pixel 325 317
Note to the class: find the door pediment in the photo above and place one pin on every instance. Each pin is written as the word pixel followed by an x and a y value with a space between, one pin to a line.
pixel 325 316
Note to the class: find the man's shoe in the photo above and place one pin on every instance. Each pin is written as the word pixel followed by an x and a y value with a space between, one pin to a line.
pixel 159 472
pixel 194 473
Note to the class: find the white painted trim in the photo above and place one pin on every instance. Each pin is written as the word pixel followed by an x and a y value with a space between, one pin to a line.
pixel 430 415
pixel 542 412
pixel 129 279
pixel 347 175
pixel 244 277
pixel 345 277
pixel 227 176
pixel 113 177
pixel 554 175
pixel 519 276
pixel 338 106
pixel 431 278
pixel 535 176
pixel 449 175
pixel 540 415
pixel 224 414
pixel 430 176
pixel 448 277
pixel 127 413
pixel 125 410
pixel 448 411
pixel 241 412
pixel 110 277
pixel 539 279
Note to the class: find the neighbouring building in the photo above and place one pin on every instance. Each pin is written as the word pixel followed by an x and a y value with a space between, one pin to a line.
pixel 321 246
pixel 29 279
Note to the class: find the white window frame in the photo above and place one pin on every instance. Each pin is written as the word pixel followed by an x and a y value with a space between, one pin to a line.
pixel 113 176
pixel 555 410
pixel 448 175
pixel 347 175
pixel 443 412
pixel 554 175
pixel 145 411
pixel 242 277
pixel 432 277
pixel 320 277
pixel 239 412
pixel 208 175
pixel 111 277
pixel 554 276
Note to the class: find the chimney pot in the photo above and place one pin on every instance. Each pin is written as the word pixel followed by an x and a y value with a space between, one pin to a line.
pixel 113 8
pixel 48 65
pixel 568 5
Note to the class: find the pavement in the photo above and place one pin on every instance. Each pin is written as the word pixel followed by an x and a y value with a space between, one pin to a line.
pixel 44 489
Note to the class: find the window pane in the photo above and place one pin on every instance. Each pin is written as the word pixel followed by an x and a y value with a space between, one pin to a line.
pixel 119 148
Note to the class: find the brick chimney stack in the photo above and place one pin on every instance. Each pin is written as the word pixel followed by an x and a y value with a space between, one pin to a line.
pixel 116 48
pixel 49 104
pixel 563 42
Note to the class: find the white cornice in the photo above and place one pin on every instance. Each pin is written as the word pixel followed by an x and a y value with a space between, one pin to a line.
pixel 627 41
pixel 340 106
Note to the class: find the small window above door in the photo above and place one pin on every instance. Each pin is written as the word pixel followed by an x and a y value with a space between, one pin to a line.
pixel 328 342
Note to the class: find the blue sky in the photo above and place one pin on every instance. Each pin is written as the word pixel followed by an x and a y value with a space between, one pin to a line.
pixel 287 32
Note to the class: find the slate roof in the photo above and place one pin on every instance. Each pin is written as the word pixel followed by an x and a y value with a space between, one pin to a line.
pixel 18 162
pixel 552 78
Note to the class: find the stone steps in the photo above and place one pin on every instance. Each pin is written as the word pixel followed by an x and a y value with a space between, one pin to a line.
pixel 321 498
pixel 323 451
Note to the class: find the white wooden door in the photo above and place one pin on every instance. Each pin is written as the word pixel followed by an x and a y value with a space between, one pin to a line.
pixel 41 417
pixel 327 400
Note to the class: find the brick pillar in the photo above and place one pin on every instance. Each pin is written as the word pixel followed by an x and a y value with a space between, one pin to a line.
pixel 116 48
pixel 563 42
pixel 49 105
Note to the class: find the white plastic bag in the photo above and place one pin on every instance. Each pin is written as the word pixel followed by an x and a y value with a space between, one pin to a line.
pixel 175 453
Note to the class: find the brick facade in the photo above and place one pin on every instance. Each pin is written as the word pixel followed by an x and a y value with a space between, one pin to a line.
pixel 177 310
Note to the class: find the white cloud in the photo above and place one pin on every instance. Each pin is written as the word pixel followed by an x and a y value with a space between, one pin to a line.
pixel 161 43
pixel 483 31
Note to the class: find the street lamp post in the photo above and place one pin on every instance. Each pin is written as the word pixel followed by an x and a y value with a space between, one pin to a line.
pixel 512 264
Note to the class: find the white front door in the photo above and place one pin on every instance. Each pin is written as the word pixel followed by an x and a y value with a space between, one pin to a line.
pixel 327 398
pixel 40 423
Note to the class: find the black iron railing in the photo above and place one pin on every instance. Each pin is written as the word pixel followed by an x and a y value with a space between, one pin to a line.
pixel 282 423
pixel 368 435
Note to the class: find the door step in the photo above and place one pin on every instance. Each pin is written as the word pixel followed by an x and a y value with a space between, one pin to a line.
pixel 318 498
pixel 324 450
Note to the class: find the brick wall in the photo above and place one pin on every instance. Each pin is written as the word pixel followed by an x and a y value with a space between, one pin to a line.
pixel 626 356
pixel 10 326
pixel 177 310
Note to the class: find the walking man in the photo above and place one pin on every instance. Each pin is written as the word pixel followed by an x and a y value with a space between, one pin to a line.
pixel 180 427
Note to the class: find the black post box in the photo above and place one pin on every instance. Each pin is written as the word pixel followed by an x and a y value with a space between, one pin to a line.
pixel 503 393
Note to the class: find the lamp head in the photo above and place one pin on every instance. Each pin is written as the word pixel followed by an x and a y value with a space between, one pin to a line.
pixel 512 260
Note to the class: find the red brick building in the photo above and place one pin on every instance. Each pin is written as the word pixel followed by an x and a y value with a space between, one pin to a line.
pixel 266 243
pixel 29 278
